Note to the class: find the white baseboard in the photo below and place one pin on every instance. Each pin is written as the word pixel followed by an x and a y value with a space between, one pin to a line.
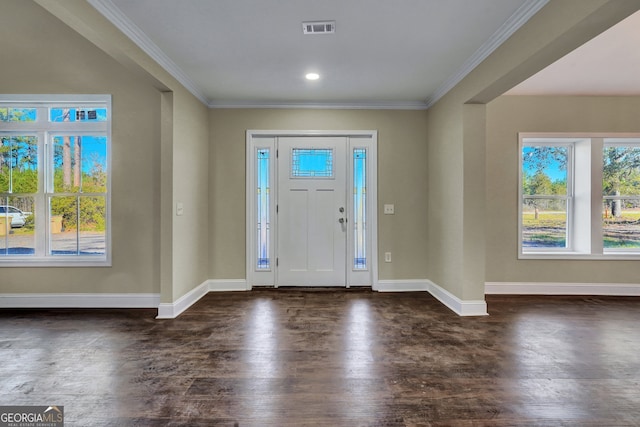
pixel 76 300
pixel 173 310
pixel 402 285
pixel 532 288
pixel 216 285
pixel 457 305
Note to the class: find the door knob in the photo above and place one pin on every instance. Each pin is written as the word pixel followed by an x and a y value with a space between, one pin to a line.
pixel 341 220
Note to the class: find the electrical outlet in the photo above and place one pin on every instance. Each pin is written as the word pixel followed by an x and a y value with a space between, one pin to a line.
pixel 389 209
pixel 387 257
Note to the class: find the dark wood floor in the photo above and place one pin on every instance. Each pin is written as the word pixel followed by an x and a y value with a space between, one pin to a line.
pixel 330 358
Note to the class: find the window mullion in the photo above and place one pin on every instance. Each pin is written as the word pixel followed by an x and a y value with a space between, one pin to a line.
pixel 597 163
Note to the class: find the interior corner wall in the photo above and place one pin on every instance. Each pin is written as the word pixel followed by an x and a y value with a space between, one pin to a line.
pixel 508 115
pixel 402 180
pixel 50 58
pixel 555 30
pixel 190 189
pixel 445 196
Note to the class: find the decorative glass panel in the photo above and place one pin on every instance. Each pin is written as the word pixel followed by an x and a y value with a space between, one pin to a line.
pixel 359 208
pixel 263 195
pixel 312 163
pixel 77 114
pixel 80 164
pixel 18 164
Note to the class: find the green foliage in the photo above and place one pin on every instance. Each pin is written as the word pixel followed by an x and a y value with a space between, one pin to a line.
pixel 540 157
pixel 92 212
pixel 621 171
pixel 18 164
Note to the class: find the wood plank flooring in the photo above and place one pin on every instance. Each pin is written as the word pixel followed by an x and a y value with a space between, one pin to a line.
pixel 291 357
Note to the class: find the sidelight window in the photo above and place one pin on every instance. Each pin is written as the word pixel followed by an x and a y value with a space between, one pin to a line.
pixel 263 200
pixel 359 208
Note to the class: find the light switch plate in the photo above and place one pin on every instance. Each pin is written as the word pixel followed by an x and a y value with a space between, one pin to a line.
pixel 389 209
pixel 179 209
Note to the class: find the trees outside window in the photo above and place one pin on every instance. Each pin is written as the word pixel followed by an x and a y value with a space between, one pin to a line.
pixel 54 167
pixel 561 214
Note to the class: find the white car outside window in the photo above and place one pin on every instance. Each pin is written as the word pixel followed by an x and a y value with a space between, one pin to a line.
pixel 18 218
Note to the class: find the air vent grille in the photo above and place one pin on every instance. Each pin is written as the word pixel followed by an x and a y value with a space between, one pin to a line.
pixel 319 27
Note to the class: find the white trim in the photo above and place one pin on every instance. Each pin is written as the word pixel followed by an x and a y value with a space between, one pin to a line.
pixel 110 11
pixel 79 300
pixel 388 105
pixel 173 310
pixel 457 305
pixel 549 288
pixel 251 136
pixel 228 285
pixel 402 286
pixel 511 25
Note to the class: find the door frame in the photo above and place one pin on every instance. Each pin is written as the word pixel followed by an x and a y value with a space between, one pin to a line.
pixel 267 139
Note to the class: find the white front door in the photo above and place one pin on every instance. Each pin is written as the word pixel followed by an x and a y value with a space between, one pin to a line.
pixel 311 211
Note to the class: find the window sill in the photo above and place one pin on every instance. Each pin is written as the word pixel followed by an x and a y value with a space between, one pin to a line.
pixel 49 262
pixel 611 256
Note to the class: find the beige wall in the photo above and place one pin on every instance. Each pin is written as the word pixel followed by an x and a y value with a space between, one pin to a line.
pixel 191 188
pixel 456 171
pixel 508 115
pixel 45 56
pixel 402 180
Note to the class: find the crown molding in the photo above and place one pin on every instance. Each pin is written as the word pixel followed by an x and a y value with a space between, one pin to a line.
pixel 136 35
pixel 511 25
pixel 110 11
pixel 388 105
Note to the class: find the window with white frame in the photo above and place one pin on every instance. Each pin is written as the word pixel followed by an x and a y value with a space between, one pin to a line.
pixel 579 196
pixel 55 180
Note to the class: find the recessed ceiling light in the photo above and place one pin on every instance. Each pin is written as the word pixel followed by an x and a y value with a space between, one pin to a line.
pixel 312 76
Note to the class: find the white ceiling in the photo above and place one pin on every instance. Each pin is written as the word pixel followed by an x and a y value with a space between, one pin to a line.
pixel 608 64
pixel 384 54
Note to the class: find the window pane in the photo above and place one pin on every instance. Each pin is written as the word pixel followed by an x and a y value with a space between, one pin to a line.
pixel 94 164
pixel 19 164
pixel 622 230
pixel 359 208
pixel 80 164
pixel 92 229
pixel 77 114
pixel 64 225
pixel 544 223
pixel 18 114
pixel 621 171
pixel 263 209
pixel 544 170
pixel 17 235
pixel 312 162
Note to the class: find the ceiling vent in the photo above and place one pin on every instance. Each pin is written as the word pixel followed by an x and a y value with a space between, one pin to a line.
pixel 319 27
